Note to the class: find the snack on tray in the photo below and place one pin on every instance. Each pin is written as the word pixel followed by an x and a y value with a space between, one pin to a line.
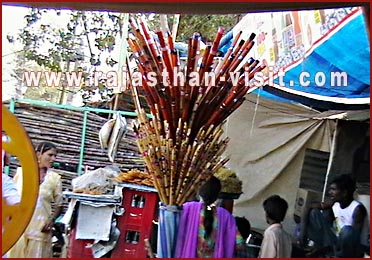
pixel 229 181
pixel 135 176
pixel 94 191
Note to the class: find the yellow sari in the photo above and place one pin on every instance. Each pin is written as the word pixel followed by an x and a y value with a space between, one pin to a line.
pixel 34 243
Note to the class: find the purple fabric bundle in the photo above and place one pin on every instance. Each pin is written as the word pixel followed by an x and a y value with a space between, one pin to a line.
pixel 187 238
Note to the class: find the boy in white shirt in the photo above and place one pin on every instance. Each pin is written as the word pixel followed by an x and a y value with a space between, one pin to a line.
pixel 276 243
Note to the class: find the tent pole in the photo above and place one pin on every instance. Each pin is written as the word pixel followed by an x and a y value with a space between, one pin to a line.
pixel 331 156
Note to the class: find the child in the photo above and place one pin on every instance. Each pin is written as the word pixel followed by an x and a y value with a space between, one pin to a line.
pixel 276 242
pixel 241 249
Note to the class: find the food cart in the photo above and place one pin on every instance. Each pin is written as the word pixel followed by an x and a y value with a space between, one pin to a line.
pixel 115 224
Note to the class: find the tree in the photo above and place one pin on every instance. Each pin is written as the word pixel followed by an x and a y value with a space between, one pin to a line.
pixel 60 40
pixel 79 40
pixel 51 43
pixel 206 25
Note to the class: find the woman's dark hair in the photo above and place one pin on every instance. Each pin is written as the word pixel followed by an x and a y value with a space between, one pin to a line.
pixel 243 226
pixel 345 183
pixel 45 146
pixel 275 208
pixel 209 192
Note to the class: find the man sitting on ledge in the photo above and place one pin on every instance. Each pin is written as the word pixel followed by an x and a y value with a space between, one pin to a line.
pixel 341 225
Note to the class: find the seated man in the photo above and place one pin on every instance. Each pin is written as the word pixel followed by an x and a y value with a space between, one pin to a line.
pixel 345 227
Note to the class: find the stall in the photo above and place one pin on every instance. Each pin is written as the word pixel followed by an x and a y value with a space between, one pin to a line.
pixel 112 225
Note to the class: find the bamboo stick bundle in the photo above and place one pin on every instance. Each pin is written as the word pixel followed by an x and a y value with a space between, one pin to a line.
pixel 174 55
pixel 165 54
pixel 192 167
pixel 232 63
pixel 230 50
pixel 145 51
pixel 151 43
pixel 201 178
pixel 210 156
pixel 243 52
pixel 182 142
pixel 182 170
pixel 224 95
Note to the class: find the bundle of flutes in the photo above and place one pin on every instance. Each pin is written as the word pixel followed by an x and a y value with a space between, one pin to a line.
pixel 181 143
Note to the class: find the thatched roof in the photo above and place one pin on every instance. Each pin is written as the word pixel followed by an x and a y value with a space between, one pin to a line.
pixel 125 103
pixel 64 127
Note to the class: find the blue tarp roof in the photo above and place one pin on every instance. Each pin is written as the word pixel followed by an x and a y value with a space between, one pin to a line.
pixel 348 51
pixel 345 50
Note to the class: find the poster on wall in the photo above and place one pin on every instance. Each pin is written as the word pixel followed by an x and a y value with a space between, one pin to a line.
pixel 321 52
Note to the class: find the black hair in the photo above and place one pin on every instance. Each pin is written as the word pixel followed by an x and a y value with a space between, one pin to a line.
pixel 45 146
pixel 345 183
pixel 209 192
pixel 275 208
pixel 243 226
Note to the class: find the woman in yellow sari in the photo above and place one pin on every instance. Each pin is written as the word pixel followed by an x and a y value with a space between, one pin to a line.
pixel 36 241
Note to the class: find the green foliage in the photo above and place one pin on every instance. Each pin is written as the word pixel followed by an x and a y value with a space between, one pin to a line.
pixel 51 45
pixel 83 37
pixel 206 25
pixel 67 42
pixel 41 92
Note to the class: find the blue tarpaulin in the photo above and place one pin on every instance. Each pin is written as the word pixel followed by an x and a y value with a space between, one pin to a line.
pixel 332 50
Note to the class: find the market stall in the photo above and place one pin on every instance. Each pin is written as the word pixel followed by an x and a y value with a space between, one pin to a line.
pixel 114 223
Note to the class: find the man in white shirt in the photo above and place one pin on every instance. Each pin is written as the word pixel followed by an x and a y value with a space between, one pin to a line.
pixel 9 189
pixel 351 220
pixel 346 228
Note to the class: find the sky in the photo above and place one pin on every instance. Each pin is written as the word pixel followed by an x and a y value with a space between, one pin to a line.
pixel 12 21
pixel 10 14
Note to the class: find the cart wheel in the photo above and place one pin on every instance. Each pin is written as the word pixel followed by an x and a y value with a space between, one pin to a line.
pixel 15 218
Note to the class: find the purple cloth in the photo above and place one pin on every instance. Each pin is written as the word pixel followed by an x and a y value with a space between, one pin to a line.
pixel 187 238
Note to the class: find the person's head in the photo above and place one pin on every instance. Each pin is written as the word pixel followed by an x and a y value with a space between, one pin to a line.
pixel 210 190
pixel 5 156
pixel 342 188
pixel 46 153
pixel 243 226
pixel 275 209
